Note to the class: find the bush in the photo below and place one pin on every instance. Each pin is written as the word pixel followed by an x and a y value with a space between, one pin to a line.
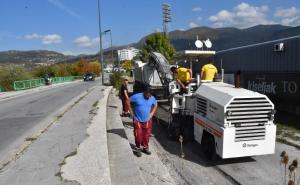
pixel 11 73
pixel 77 69
pixel 116 80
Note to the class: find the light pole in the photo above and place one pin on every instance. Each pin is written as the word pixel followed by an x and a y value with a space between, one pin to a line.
pixel 100 35
pixel 112 51
pixel 167 18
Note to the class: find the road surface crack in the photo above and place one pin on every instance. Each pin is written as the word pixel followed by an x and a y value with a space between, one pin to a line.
pixel 31 139
pixel 59 174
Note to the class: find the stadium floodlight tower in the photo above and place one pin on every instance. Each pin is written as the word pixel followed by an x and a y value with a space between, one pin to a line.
pixel 166 9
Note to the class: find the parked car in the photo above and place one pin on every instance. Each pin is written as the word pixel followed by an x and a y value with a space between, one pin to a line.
pixel 89 77
pixel 121 70
pixel 108 70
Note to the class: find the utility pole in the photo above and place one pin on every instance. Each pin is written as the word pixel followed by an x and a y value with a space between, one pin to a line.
pixel 112 51
pixel 100 35
pixel 166 10
pixel 111 48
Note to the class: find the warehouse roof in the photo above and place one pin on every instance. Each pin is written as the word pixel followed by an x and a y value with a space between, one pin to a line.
pixel 259 44
pixel 194 54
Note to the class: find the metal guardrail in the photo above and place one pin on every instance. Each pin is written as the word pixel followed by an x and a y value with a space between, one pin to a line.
pixel 78 77
pixel 28 84
pixel 56 80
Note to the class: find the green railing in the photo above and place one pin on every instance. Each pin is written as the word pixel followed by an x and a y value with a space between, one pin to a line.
pixel 28 84
pixel 78 77
pixel 2 89
pixel 56 80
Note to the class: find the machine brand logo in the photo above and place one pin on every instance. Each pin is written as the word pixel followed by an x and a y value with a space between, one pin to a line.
pixel 262 87
pixel 249 145
pixel 212 108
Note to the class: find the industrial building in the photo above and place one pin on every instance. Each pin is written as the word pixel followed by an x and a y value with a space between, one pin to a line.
pixel 271 68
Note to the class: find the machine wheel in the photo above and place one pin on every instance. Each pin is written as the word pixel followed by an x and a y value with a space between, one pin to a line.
pixel 208 146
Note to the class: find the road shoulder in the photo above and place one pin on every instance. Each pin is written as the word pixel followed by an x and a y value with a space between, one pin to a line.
pixel 90 165
pixel 123 167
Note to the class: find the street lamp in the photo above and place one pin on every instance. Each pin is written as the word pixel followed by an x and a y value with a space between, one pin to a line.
pixel 100 35
pixel 112 51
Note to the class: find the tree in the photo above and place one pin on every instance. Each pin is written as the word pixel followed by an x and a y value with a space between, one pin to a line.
pixel 127 65
pixel 82 66
pixel 42 70
pixel 94 67
pixel 160 43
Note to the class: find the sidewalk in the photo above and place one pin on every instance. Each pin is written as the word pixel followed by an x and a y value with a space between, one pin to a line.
pixel 152 169
pixel 90 164
pixel 123 166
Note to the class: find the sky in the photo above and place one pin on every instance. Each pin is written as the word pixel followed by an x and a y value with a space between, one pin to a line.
pixel 71 26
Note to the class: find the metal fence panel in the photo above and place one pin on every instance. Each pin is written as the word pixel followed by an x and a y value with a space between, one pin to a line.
pixel 28 84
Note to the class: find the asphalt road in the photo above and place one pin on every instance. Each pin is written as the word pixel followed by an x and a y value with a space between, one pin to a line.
pixel 22 116
pixel 194 168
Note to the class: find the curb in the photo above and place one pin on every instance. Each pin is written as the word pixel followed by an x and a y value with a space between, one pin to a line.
pixel 123 168
pixel 287 141
pixel 90 165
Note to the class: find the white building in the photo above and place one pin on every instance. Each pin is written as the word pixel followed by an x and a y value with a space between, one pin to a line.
pixel 127 54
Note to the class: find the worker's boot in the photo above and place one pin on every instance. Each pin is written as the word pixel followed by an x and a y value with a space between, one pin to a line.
pixel 137 152
pixel 147 151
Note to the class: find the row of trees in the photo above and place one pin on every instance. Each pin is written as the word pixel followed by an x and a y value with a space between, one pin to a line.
pixel 11 73
pixel 76 69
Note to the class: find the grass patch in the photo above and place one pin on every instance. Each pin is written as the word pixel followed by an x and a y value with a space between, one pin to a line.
pixel 288 128
pixel 62 163
pixel 95 104
pixel 60 116
pixel 31 139
pixel 59 174
pixel 71 154
pixel 79 100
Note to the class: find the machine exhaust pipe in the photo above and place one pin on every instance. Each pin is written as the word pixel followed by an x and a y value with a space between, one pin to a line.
pixel 237 79
pixel 198 80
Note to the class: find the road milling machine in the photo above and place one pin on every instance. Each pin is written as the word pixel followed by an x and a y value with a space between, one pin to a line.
pixel 227 121
pixel 155 73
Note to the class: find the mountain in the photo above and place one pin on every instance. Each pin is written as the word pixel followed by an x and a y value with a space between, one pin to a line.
pixel 32 58
pixel 293 31
pixel 225 38
pixel 222 38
